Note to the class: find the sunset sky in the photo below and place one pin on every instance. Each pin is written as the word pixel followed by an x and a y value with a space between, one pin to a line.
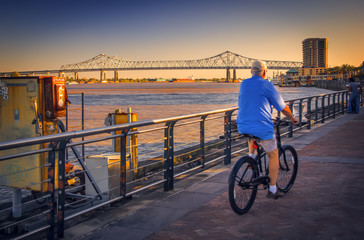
pixel 40 35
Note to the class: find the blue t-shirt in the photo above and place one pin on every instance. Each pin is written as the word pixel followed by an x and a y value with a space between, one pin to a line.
pixel 354 87
pixel 256 98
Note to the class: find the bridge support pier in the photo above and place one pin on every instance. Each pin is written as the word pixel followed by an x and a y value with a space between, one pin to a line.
pixel 234 75
pixel 76 76
pixel 61 74
pixel 116 76
pixel 102 76
pixel 227 75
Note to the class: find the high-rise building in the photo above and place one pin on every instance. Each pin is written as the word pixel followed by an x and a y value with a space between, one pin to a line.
pixel 315 52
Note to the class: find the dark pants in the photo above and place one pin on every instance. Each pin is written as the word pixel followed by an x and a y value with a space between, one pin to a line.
pixel 354 103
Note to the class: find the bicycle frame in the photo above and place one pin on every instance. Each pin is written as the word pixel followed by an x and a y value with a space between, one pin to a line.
pixel 262 155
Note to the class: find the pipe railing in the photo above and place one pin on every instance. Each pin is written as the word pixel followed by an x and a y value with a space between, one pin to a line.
pixel 162 167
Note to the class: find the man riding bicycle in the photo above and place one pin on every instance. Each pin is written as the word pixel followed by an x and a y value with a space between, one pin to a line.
pixel 256 98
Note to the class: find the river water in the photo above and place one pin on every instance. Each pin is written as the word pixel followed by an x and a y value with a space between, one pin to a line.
pixel 160 100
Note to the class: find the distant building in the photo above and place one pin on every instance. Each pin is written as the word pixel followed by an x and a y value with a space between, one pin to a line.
pixel 292 72
pixel 314 52
pixel 312 71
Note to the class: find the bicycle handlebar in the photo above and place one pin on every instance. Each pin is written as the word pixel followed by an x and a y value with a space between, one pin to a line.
pixel 277 121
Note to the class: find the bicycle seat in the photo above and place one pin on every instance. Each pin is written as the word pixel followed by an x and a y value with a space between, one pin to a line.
pixel 250 136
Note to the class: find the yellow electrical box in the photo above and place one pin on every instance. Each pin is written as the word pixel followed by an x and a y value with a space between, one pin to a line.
pixel 121 118
pixel 132 141
pixel 25 112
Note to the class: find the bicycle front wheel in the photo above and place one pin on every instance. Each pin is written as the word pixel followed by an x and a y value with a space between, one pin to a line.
pixel 288 167
pixel 241 190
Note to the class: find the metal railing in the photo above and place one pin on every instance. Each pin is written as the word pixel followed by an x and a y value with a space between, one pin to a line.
pixel 334 85
pixel 179 146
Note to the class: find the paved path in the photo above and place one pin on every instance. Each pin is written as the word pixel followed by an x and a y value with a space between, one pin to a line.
pixel 326 201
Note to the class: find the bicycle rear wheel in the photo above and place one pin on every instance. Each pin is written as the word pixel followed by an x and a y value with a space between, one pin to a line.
pixel 288 167
pixel 241 190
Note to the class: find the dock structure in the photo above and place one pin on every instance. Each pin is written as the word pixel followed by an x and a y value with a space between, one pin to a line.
pixel 327 194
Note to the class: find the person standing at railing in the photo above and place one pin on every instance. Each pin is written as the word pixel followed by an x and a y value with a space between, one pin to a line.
pixel 256 98
pixel 354 99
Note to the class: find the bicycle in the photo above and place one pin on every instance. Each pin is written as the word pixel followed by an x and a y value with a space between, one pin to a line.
pixel 248 173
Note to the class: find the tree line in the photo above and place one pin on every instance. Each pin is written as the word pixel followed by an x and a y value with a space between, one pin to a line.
pixel 347 69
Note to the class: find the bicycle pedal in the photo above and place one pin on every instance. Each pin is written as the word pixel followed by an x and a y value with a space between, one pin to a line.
pixel 261 180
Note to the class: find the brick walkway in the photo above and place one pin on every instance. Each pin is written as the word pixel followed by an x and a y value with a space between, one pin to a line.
pixel 326 201
pixel 321 205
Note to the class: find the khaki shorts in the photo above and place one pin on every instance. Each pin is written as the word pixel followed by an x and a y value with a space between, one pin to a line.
pixel 270 144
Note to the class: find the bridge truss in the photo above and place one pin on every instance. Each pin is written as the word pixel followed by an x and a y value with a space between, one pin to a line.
pixel 225 60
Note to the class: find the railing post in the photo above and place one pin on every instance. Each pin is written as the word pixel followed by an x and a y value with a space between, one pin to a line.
pixel 309 113
pixel 347 101
pixel 202 141
pixel 328 105
pixel 343 102
pixel 83 122
pixel 168 156
pixel 50 188
pixel 290 127
pixel 323 109
pixel 338 103
pixel 61 187
pixel 67 116
pixel 123 140
pixel 340 98
pixel 67 122
pixel 316 109
pixel 334 105
pixel 227 130
pixel 300 109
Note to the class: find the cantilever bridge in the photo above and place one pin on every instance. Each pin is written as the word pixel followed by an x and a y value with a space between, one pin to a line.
pixel 226 60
